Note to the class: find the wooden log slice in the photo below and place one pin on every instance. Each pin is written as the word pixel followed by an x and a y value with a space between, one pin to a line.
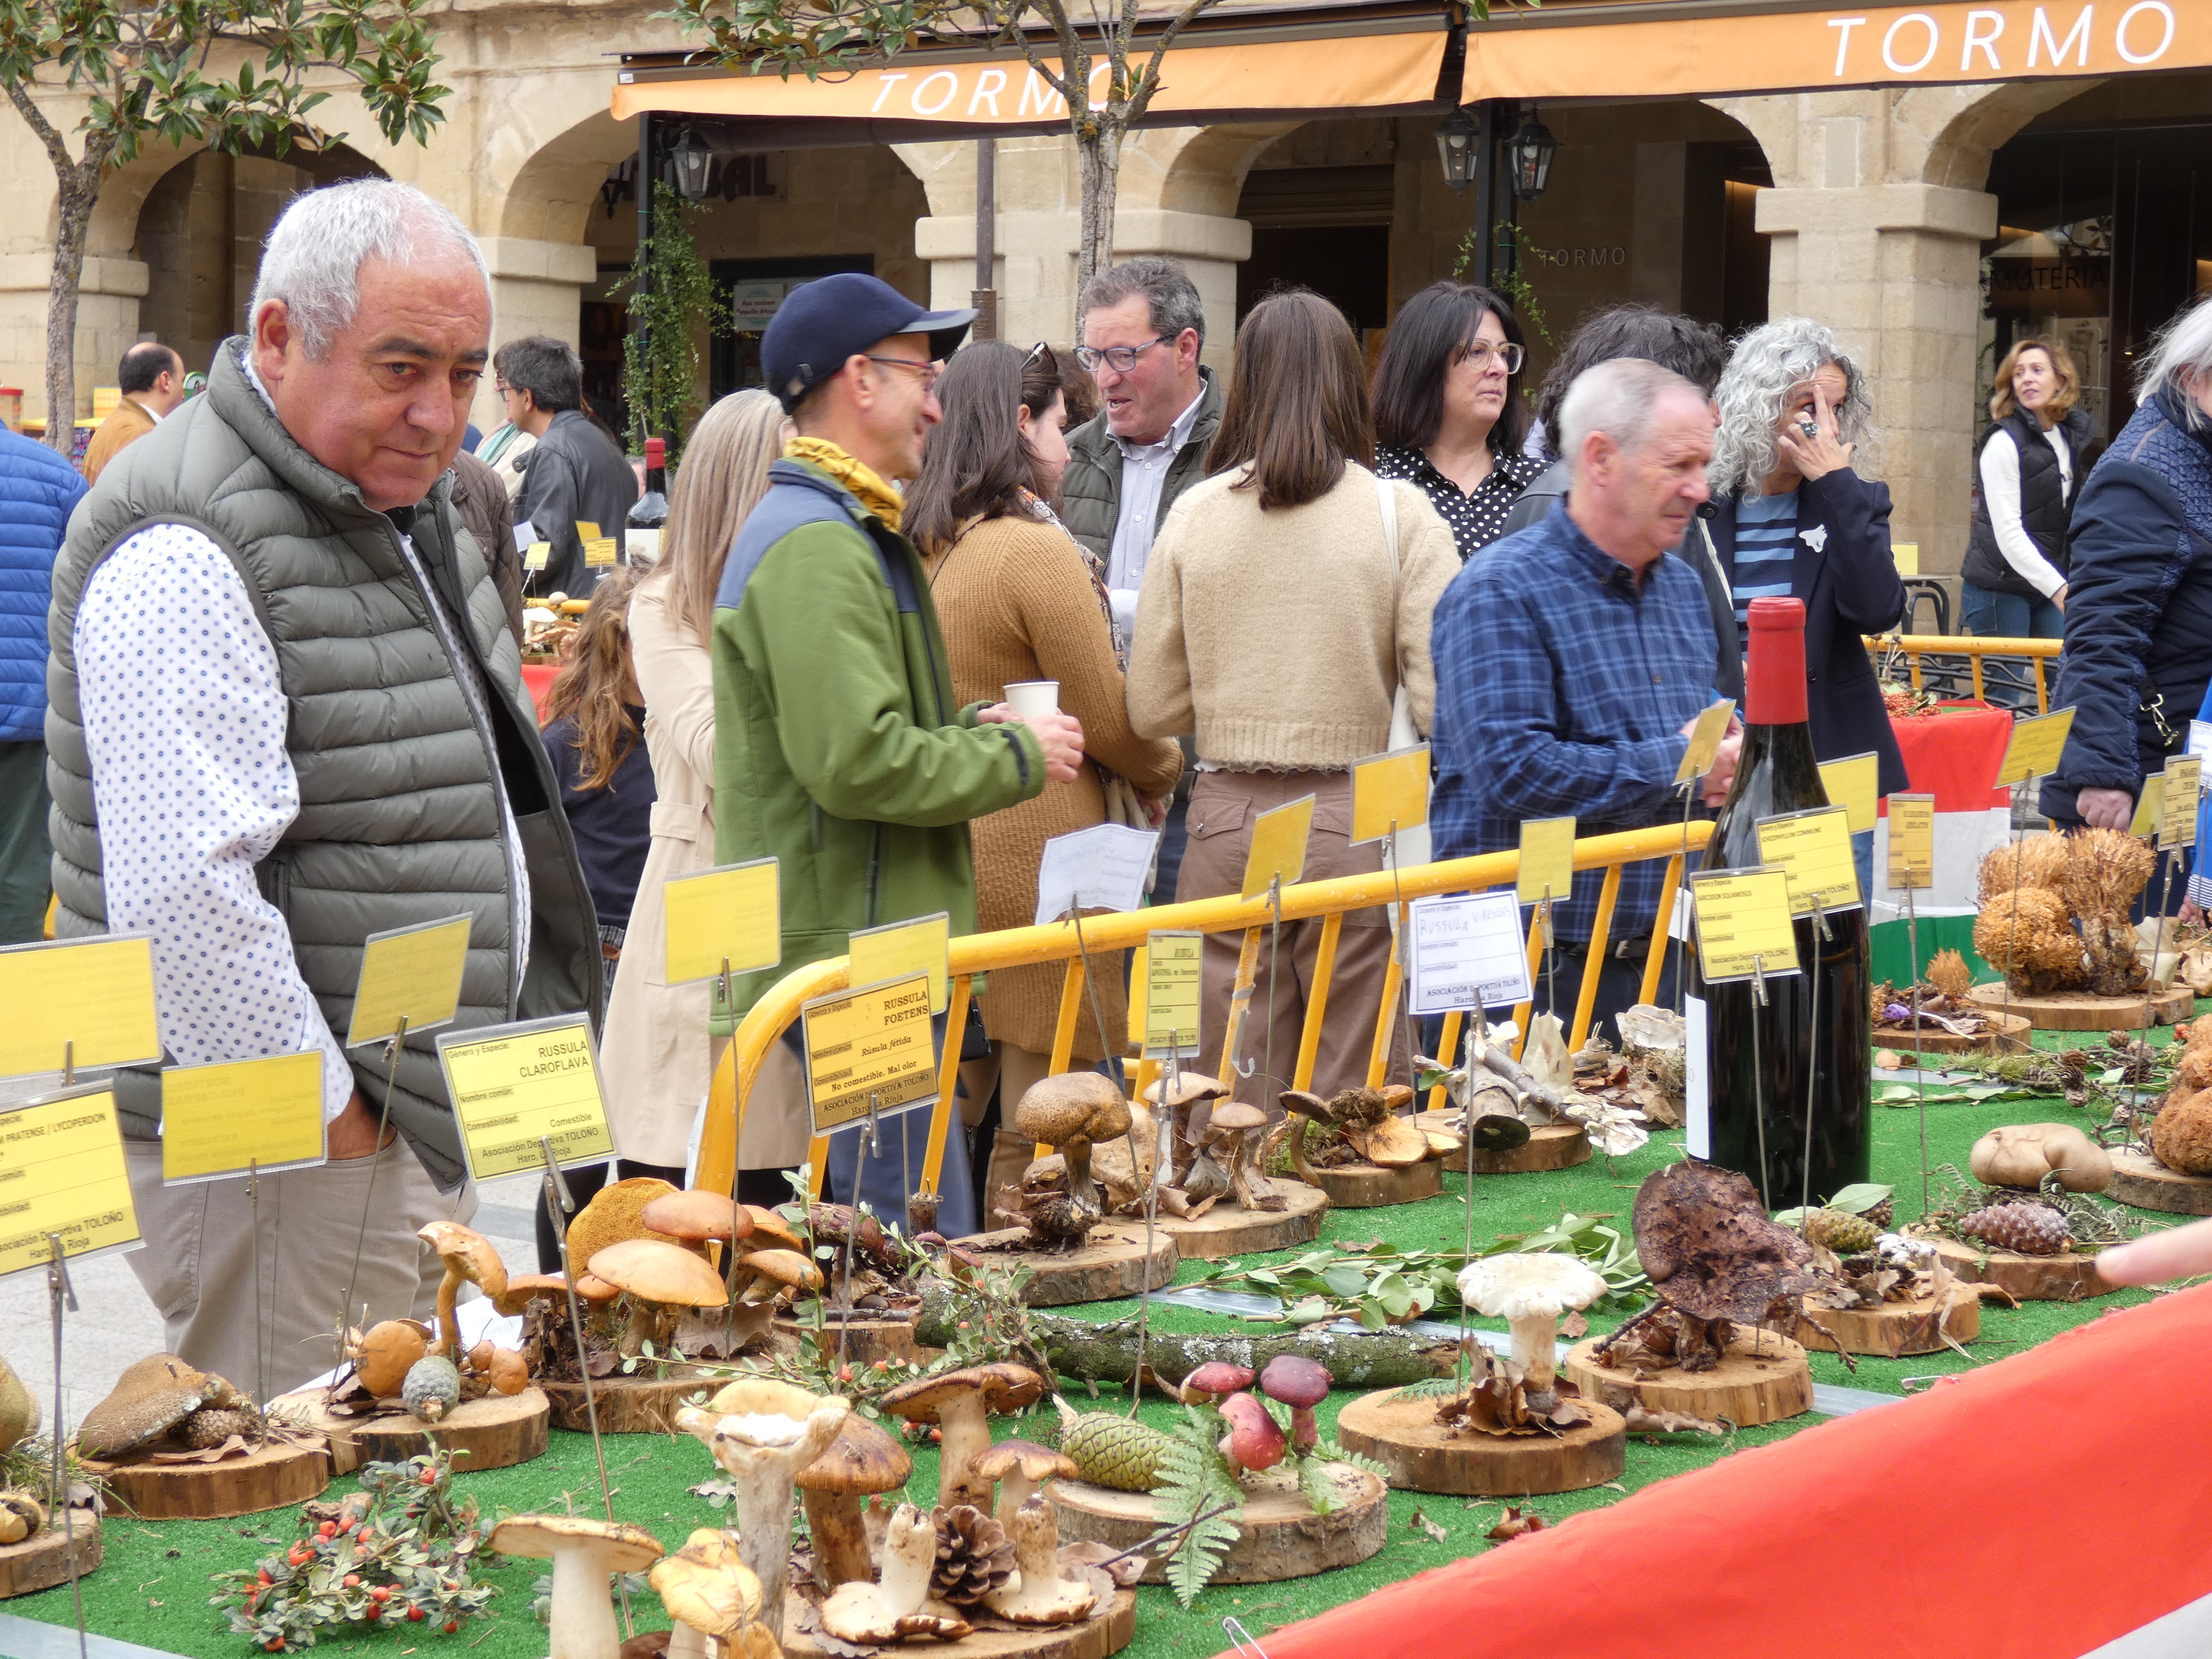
pixel 2008 1032
pixel 626 1405
pixel 42 1560
pixel 1111 1264
pixel 1093 1638
pixel 1371 1186
pixel 1282 1536
pixel 1230 1229
pixel 1549 1146
pixel 866 1341
pixel 2141 1183
pixel 1896 1329
pixel 2078 1011
pixel 2065 1277
pixel 272 1476
pixel 1762 1378
pixel 1424 1455
pixel 495 1432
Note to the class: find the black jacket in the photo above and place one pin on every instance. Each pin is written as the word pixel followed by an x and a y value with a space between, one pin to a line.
pixel 1847 577
pixel 2045 508
pixel 576 473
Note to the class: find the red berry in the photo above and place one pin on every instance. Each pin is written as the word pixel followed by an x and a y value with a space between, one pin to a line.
pixel 429 1477
pixel 451 1625
pixel 265 1577
pixel 415 1615
pixel 277 1646
pixel 328 1529
pixel 937 1434
pixel 295 1555
pixel 382 1593
pixel 353 1581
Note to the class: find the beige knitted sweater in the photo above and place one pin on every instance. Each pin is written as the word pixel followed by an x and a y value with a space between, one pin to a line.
pixel 1278 639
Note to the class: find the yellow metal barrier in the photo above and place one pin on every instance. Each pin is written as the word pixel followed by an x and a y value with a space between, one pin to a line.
pixel 977 953
pixel 1973 648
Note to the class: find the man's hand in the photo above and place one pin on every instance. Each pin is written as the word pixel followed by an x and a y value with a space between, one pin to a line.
pixel 2106 809
pixel 2177 1252
pixel 353 1131
pixel 2059 598
pixel 1060 734
pixel 1714 784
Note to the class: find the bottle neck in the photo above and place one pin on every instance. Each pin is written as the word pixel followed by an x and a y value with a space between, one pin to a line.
pixel 656 480
pixel 1774 677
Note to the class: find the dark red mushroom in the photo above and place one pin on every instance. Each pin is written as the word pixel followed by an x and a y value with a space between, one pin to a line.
pixel 1217 1379
pixel 1254 1440
pixel 1300 1383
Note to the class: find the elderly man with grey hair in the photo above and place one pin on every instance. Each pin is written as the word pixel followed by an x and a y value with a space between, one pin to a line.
pixel 286 714
pixel 1574 657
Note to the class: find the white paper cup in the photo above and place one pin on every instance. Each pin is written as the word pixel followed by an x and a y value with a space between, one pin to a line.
pixel 1030 698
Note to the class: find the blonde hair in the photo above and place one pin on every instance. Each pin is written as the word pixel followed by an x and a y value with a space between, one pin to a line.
pixel 594 674
pixel 2001 402
pixel 723 474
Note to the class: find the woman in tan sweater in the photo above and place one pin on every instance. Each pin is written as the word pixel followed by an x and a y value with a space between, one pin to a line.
pixel 1278 618
pixel 1018 601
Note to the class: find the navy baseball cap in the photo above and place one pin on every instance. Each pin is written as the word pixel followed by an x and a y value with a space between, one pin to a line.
pixel 822 323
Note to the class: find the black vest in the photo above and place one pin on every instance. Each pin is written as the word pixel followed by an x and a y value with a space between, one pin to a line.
pixel 2045 506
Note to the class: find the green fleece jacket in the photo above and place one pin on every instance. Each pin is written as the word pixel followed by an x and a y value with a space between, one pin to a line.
pixel 838 749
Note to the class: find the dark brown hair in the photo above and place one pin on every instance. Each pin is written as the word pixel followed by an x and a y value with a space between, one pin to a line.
pixel 976 465
pixel 1430 334
pixel 1296 409
pixel 589 687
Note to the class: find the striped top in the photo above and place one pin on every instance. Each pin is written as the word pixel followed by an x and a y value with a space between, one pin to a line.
pixel 1766 543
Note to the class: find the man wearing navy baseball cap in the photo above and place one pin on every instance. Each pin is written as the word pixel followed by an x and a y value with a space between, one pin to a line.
pixel 838 748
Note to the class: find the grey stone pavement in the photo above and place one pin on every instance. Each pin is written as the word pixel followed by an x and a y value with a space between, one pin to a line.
pixel 116 1324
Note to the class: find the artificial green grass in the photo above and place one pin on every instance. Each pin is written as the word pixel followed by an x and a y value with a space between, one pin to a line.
pixel 153 1589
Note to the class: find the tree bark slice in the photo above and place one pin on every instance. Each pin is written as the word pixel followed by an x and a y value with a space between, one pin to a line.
pixel 1371 1186
pixel 2066 1278
pixel 866 1341
pixel 2141 1183
pixel 1282 1537
pixel 626 1405
pixel 2008 1032
pixel 1424 1455
pixel 1112 1264
pixel 1762 1378
pixel 2080 1010
pixel 272 1476
pixel 42 1560
pixel 1091 1639
pixel 1229 1229
pixel 1897 1330
pixel 495 1432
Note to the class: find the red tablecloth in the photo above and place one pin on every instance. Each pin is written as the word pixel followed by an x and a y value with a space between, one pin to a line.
pixel 537 678
pixel 1953 753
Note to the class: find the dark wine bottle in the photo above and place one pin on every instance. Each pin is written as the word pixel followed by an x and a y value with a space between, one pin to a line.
pixel 641 534
pixel 1796 1119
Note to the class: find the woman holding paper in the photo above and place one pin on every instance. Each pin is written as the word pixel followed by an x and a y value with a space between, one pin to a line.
pixel 1024 610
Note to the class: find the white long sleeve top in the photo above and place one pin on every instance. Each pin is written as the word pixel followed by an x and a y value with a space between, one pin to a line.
pixel 1999 469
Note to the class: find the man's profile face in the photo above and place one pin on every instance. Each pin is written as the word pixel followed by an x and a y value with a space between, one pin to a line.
pixel 900 403
pixel 1656 488
pixel 1143 400
pixel 387 405
pixel 168 387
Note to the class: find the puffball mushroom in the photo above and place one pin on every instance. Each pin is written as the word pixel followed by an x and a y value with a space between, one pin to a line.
pixel 381 1358
pixel 861 1461
pixel 1254 1440
pixel 658 1277
pixel 761 1433
pixel 876 1615
pixel 2021 1154
pixel 1020 1466
pixel 19 1413
pixel 504 1371
pixel 708 1591
pixel 1039 1595
pixel 961 1402
pixel 1293 1380
pixel 470 1258
pixel 585 1554
pixel 1073 1111
pixel 1529 1292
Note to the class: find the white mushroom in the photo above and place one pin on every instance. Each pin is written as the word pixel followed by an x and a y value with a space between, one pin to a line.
pixel 1039 1595
pixel 873 1614
pixel 586 1553
pixel 1529 1293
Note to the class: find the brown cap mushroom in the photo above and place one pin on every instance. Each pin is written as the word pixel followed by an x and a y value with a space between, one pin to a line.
pixel 1020 1466
pixel 1217 1379
pixel 148 1400
pixel 1074 1111
pixel 615 1213
pixel 861 1461
pixel 696 1217
pixel 504 1371
pixel 658 1277
pixel 707 1591
pixel 1185 1087
pixel 585 1553
pixel 772 1232
pixel 523 1289
pixel 2022 1154
pixel 784 1269
pixel 961 1403
pixel 381 1358
pixel 590 1287
pixel 1293 1380
pixel 1254 1440
pixel 1392 1142
pixel 470 1258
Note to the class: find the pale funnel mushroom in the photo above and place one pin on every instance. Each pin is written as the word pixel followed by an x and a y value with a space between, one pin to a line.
pixel 585 1554
pixel 875 1615
pixel 709 1593
pixel 1529 1293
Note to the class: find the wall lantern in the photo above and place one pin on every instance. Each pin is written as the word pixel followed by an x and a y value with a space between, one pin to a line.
pixel 1529 154
pixel 694 163
pixel 1455 146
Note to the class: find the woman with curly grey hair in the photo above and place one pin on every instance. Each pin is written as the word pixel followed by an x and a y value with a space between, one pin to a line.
pixel 1790 519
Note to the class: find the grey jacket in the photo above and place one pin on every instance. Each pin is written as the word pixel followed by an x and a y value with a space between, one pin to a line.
pixel 1090 488
pixel 400 818
pixel 576 473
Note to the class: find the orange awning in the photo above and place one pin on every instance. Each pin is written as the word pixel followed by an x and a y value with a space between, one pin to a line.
pixel 1549 55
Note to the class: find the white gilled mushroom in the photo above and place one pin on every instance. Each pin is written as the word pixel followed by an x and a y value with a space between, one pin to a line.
pixel 470 1258
pixel 961 1402
pixel 861 1461
pixel 585 1553
pixel 1039 1595
pixel 761 1433
pixel 1529 1292
pixel 709 1592
pixel 892 1610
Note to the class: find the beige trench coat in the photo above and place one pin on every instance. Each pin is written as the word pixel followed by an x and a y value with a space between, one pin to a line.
pixel 656 1056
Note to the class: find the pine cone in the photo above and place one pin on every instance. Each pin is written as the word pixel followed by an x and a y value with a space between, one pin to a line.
pixel 2030 1229
pixel 974 1556
pixel 209 1427
pixel 1840 1231
pixel 1881 1215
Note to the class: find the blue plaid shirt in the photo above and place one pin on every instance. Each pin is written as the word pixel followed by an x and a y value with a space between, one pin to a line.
pixel 1562 688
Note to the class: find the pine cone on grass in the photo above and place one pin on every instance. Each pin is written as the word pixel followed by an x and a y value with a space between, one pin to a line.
pixel 973 1556
pixel 2029 1229
pixel 1840 1231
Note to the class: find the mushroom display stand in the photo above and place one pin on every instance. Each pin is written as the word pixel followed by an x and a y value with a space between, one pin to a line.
pixel 495 1432
pixel 1372 1185
pixel 1762 1377
pixel 626 1405
pixel 1549 1146
pixel 1282 1537
pixel 2141 1183
pixel 866 1341
pixel 1894 1330
pixel 42 1560
pixel 1111 1264
pixel 1423 1454
pixel 2066 1277
pixel 1230 1229
pixel 273 1475
pixel 2080 1011
pixel 2007 1032
pixel 1107 1632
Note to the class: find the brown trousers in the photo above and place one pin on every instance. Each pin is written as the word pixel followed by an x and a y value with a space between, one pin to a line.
pixel 1222 807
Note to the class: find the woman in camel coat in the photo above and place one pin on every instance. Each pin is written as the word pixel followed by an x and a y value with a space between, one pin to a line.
pixel 1018 601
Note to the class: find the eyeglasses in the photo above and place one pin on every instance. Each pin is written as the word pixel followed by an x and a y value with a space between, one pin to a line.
pixel 1480 354
pixel 1042 352
pixel 927 372
pixel 1120 359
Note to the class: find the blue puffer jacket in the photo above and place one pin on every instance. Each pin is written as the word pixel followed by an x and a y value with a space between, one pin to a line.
pixel 38 491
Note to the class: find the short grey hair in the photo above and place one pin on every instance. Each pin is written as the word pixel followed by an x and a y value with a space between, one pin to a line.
pixel 1170 297
pixel 1768 364
pixel 2182 352
pixel 1620 399
pixel 313 258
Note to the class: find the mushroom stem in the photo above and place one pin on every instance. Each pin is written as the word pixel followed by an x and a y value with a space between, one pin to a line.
pixel 448 1345
pixel 1014 1491
pixel 685 1642
pixel 582 1620
pixel 841 1539
pixel 649 1321
pixel 1305 1431
pixel 1535 1349
pixel 1076 1149
pixel 967 1428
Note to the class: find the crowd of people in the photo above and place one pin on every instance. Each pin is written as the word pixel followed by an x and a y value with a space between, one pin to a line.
pixel 280 637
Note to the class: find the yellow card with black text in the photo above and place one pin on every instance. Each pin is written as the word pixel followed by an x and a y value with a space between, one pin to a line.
pixel 1705 741
pixel 2182 793
pixel 1854 783
pixel 1743 924
pixel 413 973
pixel 1390 792
pixel 2037 743
pixel 1548 860
pixel 1279 845
pixel 1912 843
pixel 870 1044
pixel 1170 986
pixel 902 949
pixel 2150 807
pixel 242 1116
pixel 85 1002
pixel 1812 848
pixel 587 531
pixel 728 917
pixel 535 555
pixel 599 552
pixel 513 1086
pixel 62 1173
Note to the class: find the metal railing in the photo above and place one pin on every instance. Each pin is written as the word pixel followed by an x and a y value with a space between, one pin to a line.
pixel 1946 650
pixel 1331 901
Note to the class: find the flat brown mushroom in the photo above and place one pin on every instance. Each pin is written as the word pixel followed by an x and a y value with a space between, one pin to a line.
pixel 961 1402
pixel 776 1271
pixel 861 1461
pixel 707 1591
pixel 149 1399
pixel 696 1218
pixel 772 1232
pixel 658 1277
pixel 523 1289
pixel 1234 1126
pixel 470 1258
pixel 1020 1466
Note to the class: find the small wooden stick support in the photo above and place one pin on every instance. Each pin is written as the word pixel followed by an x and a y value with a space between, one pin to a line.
pixel 369 1194
pixel 559 1202
pixel 60 1291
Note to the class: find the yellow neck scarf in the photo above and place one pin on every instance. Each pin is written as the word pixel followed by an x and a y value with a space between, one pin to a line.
pixel 879 497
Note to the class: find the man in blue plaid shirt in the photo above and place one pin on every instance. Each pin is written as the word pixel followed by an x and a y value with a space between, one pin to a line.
pixel 1573 658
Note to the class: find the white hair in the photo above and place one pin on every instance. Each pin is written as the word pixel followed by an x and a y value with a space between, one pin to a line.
pixel 2183 353
pixel 1768 364
pixel 313 256
pixel 1618 397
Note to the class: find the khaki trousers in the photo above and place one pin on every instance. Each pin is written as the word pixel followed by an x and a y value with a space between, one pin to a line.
pixel 1014 1070
pixel 202 1243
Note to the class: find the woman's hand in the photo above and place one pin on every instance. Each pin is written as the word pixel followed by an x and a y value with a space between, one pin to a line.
pixel 1810 443
pixel 2059 598
pixel 2106 809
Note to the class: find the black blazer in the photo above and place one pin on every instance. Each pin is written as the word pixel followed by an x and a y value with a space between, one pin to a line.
pixel 1847 577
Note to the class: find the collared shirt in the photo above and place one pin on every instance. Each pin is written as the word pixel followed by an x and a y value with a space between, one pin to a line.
pixel 1144 474
pixel 1561 687
pixel 1477 515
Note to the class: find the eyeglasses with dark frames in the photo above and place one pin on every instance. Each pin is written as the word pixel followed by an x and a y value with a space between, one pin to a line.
pixel 1121 358
pixel 928 372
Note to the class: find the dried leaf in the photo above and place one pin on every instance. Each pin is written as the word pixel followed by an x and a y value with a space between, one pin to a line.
pixel 1643 1420
pixel 1515 1523
pixel 1430 1528
pixel 1574 1326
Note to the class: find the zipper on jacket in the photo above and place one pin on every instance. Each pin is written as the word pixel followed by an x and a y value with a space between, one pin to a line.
pixel 875 867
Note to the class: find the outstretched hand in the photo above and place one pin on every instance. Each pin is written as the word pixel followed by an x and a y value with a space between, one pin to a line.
pixel 2178 1252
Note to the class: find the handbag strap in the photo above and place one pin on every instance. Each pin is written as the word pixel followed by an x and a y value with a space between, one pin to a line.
pixel 1389 502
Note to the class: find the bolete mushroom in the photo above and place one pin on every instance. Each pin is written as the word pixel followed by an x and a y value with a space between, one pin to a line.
pixel 1179 1097
pixel 149 1399
pixel 523 1289
pixel 1020 1466
pixel 875 1615
pixel 1232 1129
pixel 470 1258
pixel 382 1357
pixel 761 1433
pixel 1072 1111
pixel 1309 1109
pixel 1217 1379
pixel 861 1461
pixel 961 1402
pixel 774 1272
pixel 1394 1144
pixel 2022 1154
pixel 658 1277
pixel 1254 1440
pixel 1038 1595
pixel 585 1553
pixel 771 1232
pixel 1529 1292
pixel 708 1591
pixel 1293 1380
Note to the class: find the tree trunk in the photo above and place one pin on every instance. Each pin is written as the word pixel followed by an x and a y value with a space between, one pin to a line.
pixel 1099 149
pixel 79 193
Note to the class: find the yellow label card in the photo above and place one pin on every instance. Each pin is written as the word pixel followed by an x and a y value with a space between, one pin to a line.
pixel 732 916
pixel 599 552
pixel 1911 842
pixel 1907 555
pixel 535 555
pixel 1705 741
pixel 1854 783
pixel 2150 807
pixel 1548 860
pixel 587 531
pixel 1813 850
pixel 89 1001
pixel 902 949
pixel 2037 743
pixel 243 1115
pixel 513 1086
pixel 413 973
pixel 1170 984
pixel 2184 783
pixel 869 1043
pixel 1279 845
pixel 1390 792
pixel 62 1171
pixel 1743 924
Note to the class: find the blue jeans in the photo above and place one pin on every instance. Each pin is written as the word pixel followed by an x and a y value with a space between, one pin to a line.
pixel 2009 616
pixel 1863 857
